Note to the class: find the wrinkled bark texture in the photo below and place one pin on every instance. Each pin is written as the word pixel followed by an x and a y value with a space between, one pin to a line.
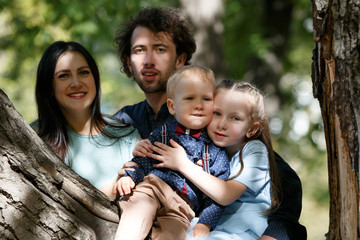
pixel 40 197
pixel 336 84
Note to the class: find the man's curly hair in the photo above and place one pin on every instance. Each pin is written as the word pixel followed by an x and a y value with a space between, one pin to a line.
pixel 169 20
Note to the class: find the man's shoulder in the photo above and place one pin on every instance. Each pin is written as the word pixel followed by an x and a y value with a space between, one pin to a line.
pixel 132 108
pixel 284 167
pixel 130 113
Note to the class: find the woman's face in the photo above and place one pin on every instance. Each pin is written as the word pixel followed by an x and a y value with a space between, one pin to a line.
pixel 74 85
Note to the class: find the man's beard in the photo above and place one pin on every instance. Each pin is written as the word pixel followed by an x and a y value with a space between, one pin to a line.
pixel 159 87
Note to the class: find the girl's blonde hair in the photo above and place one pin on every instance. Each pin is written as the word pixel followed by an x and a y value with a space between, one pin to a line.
pixel 258 114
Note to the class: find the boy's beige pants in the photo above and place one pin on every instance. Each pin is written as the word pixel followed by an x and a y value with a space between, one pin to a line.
pixel 154 204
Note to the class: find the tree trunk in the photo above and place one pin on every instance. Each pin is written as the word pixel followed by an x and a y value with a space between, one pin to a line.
pixel 205 17
pixel 40 197
pixel 336 84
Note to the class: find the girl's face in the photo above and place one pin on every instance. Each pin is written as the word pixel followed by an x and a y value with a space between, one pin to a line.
pixel 231 121
pixel 74 85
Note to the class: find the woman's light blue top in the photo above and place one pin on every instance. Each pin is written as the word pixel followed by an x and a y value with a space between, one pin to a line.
pixel 98 158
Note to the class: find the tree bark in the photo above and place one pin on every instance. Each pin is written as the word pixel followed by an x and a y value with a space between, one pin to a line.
pixel 336 84
pixel 40 197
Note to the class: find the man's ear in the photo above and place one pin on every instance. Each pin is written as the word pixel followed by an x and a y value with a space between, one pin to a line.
pixel 170 105
pixel 253 129
pixel 180 61
pixel 129 65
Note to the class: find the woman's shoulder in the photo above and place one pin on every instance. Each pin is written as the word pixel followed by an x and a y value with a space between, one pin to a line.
pixel 110 120
pixel 119 129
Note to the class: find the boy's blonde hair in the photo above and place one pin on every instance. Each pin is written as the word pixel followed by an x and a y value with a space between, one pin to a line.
pixel 204 73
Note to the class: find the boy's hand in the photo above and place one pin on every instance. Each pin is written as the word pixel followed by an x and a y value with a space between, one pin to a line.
pixel 124 186
pixel 201 230
pixel 142 148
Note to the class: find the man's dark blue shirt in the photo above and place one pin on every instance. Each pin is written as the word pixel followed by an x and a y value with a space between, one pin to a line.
pixel 142 117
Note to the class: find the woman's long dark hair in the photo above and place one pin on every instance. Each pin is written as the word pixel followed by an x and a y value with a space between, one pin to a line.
pixel 52 123
pixel 258 114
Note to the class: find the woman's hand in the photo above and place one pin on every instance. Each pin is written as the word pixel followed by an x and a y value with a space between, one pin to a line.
pixel 173 157
pixel 142 148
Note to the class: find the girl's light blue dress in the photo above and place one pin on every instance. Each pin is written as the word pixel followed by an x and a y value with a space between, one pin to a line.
pixel 243 219
pixel 99 158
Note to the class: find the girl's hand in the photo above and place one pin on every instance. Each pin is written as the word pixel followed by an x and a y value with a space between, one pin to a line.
pixel 201 230
pixel 124 186
pixel 173 157
pixel 142 148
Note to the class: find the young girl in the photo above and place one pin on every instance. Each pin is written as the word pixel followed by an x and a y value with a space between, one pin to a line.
pixel 239 125
pixel 69 118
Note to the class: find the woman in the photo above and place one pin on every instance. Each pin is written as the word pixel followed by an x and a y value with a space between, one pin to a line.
pixel 69 118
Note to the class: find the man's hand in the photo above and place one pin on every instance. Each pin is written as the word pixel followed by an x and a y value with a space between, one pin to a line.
pixel 201 230
pixel 142 148
pixel 124 186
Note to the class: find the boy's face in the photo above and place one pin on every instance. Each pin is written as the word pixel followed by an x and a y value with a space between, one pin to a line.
pixel 192 103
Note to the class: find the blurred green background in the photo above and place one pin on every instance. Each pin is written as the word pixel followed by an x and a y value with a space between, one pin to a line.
pixel 268 42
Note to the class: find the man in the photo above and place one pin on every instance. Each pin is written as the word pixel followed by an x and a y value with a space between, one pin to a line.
pixel 153 45
pixel 149 53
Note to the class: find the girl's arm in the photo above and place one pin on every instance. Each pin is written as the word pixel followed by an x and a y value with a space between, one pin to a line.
pixel 222 192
